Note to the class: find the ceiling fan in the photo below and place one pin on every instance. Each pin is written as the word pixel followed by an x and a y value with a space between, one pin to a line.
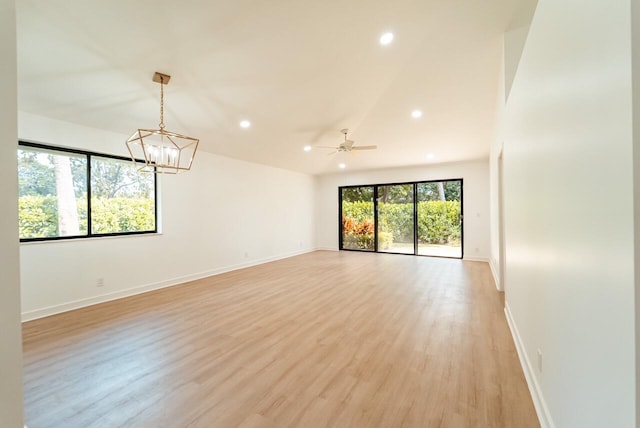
pixel 347 145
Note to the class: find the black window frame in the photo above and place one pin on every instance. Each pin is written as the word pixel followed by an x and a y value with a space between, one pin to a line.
pixel 89 154
pixel 415 217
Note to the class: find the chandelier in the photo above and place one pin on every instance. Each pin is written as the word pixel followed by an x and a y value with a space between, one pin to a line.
pixel 163 152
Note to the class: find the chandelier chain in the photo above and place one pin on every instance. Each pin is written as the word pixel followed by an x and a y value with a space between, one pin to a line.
pixel 161 103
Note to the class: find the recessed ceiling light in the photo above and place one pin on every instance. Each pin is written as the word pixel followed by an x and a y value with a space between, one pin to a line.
pixel 307 148
pixel 245 124
pixel 386 39
pixel 430 156
pixel 416 114
pixel 342 166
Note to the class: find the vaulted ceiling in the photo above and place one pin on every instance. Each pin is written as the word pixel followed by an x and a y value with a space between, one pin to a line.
pixel 298 70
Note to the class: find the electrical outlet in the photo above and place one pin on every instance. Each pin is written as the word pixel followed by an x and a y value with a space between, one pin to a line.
pixel 539 360
pixel 246 254
pixel 100 282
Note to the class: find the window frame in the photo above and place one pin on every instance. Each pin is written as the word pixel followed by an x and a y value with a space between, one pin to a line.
pixel 415 216
pixel 88 155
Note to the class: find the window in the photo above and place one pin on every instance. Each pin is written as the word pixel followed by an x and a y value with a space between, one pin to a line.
pixel 420 218
pixel 358 219
pixel 75 194
pixel 396 219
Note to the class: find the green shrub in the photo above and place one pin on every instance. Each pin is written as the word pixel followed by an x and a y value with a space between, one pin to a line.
pixel 438 221
pixel 385 239
pixel 38 215
pixel 396 219
pixel 121 215
pixel 358 211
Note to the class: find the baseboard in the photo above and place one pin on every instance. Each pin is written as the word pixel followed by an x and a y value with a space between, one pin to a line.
pixel 475 259
pixel 326 249
pixel 495 275
pixel 536 393
pixel 81 303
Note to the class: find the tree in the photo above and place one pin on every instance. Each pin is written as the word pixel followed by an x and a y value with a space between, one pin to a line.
pixel 35 176
pixel 427 192
pixel 79 173
pixel 403 193
pixel 112 178
pixel 452 190
pixel 397 193
pixel 440 191
pixel 355 194
pixel 68 224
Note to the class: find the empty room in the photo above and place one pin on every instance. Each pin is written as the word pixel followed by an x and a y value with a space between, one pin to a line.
pixel 319 214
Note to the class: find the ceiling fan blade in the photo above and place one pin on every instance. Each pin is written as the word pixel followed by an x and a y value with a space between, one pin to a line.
pixel 325 147
pixel 332 153
pixel 364 148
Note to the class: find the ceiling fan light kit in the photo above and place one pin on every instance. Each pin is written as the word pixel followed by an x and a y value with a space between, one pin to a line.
pixel 163 152
pixel 347 146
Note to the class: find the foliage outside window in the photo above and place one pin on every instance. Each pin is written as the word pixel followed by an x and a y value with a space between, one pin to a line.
pixel 358 224
pixel 438 223
pixel 432 220
pixel 67 194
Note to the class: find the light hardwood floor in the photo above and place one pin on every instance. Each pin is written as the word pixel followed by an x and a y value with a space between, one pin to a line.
pixel 326 339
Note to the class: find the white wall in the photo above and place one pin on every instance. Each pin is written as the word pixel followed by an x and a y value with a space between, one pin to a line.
pixel 569 213
pixel 475 194
pixel 10 329
pixel 514 42
pixel 635 56
pixel 223 214
pixel 494 178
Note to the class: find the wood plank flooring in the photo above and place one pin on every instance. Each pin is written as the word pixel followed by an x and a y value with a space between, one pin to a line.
pixel 326 339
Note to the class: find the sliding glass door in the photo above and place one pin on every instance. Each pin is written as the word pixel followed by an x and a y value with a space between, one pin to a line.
pixel 396 219
pixel 440 218
pixel 420 218
pixel 357 227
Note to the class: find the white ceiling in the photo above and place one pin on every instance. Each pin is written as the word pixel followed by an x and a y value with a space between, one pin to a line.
pixel 298 70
